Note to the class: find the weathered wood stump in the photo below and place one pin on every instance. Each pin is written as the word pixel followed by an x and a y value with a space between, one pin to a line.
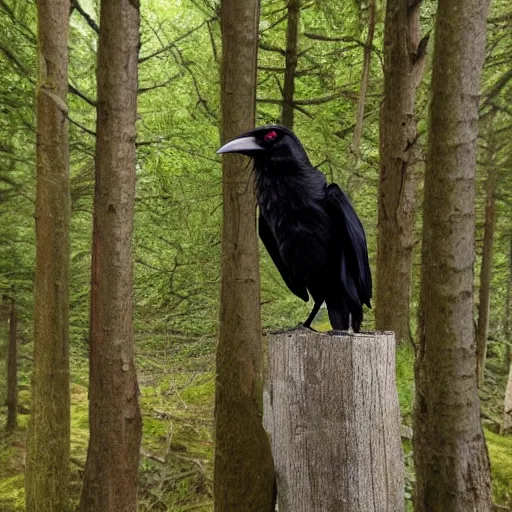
pixel 331 409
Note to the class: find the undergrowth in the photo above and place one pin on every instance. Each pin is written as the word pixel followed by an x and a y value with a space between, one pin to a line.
pixel 176 377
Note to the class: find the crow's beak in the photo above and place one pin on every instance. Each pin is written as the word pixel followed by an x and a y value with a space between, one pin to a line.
pixel 241 145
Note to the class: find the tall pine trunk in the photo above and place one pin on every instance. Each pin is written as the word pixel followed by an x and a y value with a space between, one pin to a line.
pixel 110 478
pixel 243 467
pixel 291 58
pixel 450 456
pixel 482 331
pixel 403 69
pixel 12 370
pixel 47 469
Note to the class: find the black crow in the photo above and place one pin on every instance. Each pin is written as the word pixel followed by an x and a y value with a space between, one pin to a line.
pixel 309 228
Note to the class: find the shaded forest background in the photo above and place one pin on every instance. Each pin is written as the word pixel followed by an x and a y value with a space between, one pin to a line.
pixel 178 211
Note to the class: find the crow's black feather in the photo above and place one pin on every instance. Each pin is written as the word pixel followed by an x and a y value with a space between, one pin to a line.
pixel 295 285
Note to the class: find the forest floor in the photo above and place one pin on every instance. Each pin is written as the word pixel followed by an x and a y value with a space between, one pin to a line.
pixel 176 378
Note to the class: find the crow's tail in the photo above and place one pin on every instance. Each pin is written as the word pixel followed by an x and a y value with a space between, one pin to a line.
pixel 338 314
pixel 341 316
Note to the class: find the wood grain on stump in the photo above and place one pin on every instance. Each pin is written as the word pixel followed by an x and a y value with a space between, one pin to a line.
pixel 331 409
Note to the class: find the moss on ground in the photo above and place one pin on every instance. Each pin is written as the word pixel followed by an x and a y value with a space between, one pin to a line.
pixel 12 493
pixel 500 452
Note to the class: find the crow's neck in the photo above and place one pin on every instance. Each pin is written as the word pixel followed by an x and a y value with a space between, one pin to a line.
pixel 287 186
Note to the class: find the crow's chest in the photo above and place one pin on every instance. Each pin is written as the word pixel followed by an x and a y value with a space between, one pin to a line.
pixel 302 233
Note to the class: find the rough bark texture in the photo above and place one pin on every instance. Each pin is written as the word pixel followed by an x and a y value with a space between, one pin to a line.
pixel 331 409
pixel 403 66
pixel 49 429
pixel 365 76
pixel 291 57
pixel 12 371
pixel 451 460
pixel 486 269
pixel 243 468
pixel 110 479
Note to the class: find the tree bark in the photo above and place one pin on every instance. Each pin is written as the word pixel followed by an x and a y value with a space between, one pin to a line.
pixel 403 69
pixel 243 468
pixel 365 76
pixel 506 427
pixel 486 268
pixel 450 456
pixel 47 471
pixel 12 371
pixel 110 478
pixel 507 312
pixel 291 58
pixel 331 409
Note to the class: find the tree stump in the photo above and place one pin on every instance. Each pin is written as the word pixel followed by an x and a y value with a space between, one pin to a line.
pixel 331 409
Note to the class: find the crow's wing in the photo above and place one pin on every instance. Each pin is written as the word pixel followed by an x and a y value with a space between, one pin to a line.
pixel 295 285
pixel 355 269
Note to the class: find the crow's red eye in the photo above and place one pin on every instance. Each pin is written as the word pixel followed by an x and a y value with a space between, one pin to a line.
pixel 270 136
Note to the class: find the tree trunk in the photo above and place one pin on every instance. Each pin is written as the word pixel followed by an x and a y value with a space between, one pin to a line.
pixel 358 130
pixel 486 269
pixel 12 371
pixel 331 409
pixel 243 468
pixel 506 427
pixel 403 69
pixel 450 456
pixel 508 304
pixel 291 57
pixel 47 469
pixel 507 409
pixel 110 478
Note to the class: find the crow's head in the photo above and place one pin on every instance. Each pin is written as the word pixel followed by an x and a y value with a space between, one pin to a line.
pixel 270 144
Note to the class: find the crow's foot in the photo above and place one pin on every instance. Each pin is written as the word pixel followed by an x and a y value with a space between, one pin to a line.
pixel 337 332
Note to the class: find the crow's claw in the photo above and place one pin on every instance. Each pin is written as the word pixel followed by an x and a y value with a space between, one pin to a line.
pixel 337 332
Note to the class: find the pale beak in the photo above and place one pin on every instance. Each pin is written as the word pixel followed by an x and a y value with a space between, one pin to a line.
pixel 241 145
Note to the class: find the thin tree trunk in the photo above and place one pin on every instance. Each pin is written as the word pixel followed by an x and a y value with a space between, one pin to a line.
pixel 47 469
pixel 450 456
pixel 291 57
pixel 506 427
pixel 486 269
pixel 404 61
pixel 12 371
pixel 358 130
pixel 243 467
pixel 508 305
pixel 110 478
